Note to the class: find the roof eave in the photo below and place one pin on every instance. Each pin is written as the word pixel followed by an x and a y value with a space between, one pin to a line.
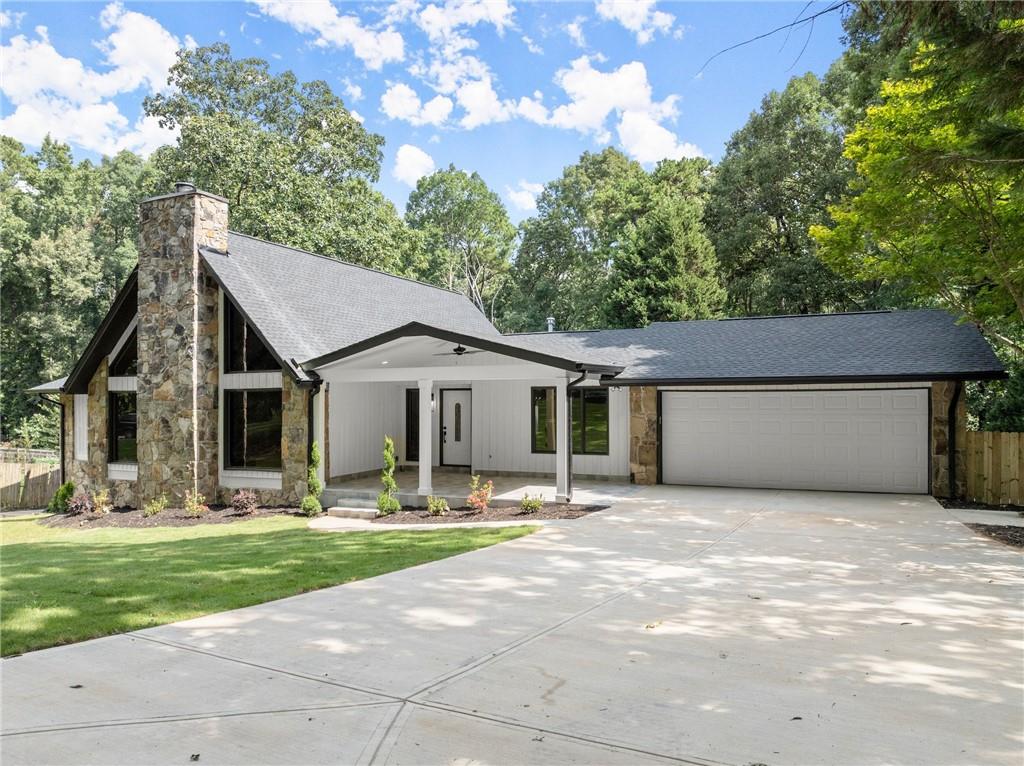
pixel 93 354
pixel 809 379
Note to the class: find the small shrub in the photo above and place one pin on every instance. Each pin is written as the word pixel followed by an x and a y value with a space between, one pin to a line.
pixel 59 501
pixel 244 502
pixel 387 504
pixel 310 506
pixel 101 502
pixel 313 483
pixel 531 504
pixel 79 504
pixel 480 494
pixel 155 506
pixel 195 504
pixel 437 506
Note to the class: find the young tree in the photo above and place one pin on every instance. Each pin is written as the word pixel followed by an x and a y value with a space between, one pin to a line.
pixel 294 163
pixel 466 234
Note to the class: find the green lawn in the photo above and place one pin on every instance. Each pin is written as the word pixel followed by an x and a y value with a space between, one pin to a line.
pixel 58 586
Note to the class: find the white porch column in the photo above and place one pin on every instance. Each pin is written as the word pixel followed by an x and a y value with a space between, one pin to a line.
pixel 562 413
pixel 426 440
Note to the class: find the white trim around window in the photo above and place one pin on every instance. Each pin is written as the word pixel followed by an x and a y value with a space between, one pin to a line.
pixel 123 339
pixel 242 479
pixel 123 471
pixel 124 383
pixel 235 381
pixel 81 426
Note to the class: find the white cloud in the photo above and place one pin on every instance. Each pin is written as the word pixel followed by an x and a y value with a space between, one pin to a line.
pixel 638 16
pixel 356 116
pixel 373 47
pixel 482 105
pixel 575 31
pixel 532 47
pixel 411 164
pixel 10 19
pixel 352 90
pixel 647 141
pixel 441 22
pixel 400 102
pixel 524 195
pixel 58 95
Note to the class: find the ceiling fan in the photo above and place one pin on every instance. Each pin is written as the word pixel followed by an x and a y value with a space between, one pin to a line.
pixel 459 350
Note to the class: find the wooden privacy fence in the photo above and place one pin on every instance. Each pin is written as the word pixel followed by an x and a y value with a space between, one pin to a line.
pixel 27 485
pixel 995 467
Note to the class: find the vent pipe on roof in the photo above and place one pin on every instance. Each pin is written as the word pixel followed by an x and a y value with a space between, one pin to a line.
pixel 551 324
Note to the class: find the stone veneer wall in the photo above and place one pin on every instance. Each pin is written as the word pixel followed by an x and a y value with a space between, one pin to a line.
pixel 91 475
pixel 942 394
pixel 177 331
pixel 643 434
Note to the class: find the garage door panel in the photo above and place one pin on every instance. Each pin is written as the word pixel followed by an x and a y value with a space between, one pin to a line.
pixel 843 440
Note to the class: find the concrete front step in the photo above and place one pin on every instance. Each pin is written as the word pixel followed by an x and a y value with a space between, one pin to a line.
pixel 342 512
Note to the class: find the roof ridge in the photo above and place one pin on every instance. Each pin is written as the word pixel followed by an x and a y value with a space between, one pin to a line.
pixel 343 262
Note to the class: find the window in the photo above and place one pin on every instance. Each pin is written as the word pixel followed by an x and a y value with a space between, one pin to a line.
pixel 589 420
pixel 253 429
pixel 458 421
pixel 126 363
pixel 245 351
pixel 123 447
pixel 542 419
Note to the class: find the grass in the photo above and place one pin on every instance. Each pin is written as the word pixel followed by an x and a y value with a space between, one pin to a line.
pixel 58 586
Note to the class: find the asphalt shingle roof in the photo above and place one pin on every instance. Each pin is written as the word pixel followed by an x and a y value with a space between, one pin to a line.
pixel 307 305
pixel 925 344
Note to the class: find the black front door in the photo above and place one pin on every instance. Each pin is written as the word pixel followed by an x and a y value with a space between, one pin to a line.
pixel 412 424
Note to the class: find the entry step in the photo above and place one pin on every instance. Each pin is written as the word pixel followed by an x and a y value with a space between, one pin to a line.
pixel 352 513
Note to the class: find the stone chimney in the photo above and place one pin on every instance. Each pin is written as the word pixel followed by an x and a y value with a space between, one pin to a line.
pixel 177 331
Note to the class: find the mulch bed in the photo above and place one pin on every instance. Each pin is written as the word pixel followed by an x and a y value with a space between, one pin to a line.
pixel 169 517
pixel 1010 535
pixel 461 515
pixel 970 505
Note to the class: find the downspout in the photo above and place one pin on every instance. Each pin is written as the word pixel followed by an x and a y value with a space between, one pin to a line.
pixel 310 409
pixel 60 434
pixel 568 414
pixel 951 427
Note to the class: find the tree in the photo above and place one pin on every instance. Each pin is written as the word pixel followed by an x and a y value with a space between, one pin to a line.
pixel 466 234
pixel 665 268
pixel 294 163
pixel 779 173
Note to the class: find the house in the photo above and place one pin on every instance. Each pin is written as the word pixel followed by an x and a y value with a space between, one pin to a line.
pixel 224 357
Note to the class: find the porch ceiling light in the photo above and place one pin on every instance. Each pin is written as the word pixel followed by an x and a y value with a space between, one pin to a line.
pixel 433 404
pixel 385 361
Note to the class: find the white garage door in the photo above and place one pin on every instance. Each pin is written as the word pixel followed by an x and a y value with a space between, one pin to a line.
pixel 869 440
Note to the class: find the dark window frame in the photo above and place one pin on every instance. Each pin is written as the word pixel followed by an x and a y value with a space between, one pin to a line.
pixel 124 358
pixel 576 393
pixel 232 316
pixel 228 432
pixel 113 455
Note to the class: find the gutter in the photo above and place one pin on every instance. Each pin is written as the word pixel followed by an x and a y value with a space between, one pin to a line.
pixel 568 417
pixel 951 426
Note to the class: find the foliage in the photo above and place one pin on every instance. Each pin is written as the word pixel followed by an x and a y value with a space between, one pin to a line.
pixel 101 502
pixel 292 160
pixel 531 504
pixel 40 430
pixel 313 484
pixel 437 506
pixel 59 502
pixel 244 502
pixel 195 504
pixel 999 405
pixel 155 506
pixel 310 506
pixel 479 494
pixel 79 504
pixel 387 503
pixel 153 578
pixel 466 234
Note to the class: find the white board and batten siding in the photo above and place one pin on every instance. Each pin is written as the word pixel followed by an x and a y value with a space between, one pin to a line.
pixel 80 426
pixel 361 414
pixel 864 439
pixel 502 432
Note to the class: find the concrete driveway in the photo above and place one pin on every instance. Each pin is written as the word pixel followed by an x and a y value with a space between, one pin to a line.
pixel 682 625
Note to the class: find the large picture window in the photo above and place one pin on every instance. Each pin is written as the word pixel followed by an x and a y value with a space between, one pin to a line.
pixel 589 420
pixel 123 447
pixel 245 351
pixel 253 429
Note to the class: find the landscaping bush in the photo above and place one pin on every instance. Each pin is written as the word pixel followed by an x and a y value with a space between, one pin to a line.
pixel 531 504
pixel 59 502
pixel 479 494
pixel 101 502
pixel 79 504
pixel 313 484
pixel 437 506
pixel 155 506
pixel 387 503
pixel 244 502
pixel 310 506
pixel 195 504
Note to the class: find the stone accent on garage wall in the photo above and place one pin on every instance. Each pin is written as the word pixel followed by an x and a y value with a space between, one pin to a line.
pixel 941 395
pixel 177 331
pixel 643 434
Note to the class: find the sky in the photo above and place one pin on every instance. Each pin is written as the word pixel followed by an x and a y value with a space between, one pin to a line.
pixel 513 91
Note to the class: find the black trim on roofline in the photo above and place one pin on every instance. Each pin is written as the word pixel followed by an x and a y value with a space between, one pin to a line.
pixel 120 312
pixel 800 379
pixel 418 329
